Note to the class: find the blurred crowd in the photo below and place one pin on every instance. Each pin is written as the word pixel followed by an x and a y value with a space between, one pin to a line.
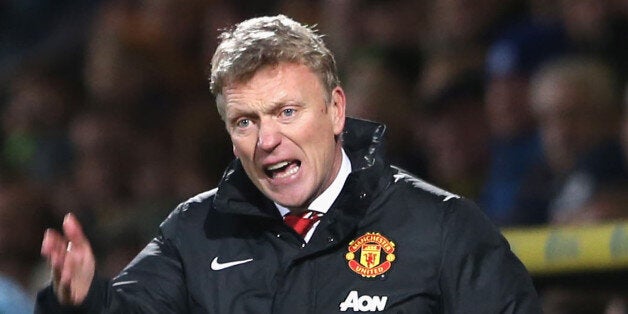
pixel 105 111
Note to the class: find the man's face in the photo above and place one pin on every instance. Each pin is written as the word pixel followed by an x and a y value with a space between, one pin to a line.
pixel 568 123
pixel 285 133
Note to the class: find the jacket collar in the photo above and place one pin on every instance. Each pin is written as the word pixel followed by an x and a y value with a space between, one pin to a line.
pixel 363 143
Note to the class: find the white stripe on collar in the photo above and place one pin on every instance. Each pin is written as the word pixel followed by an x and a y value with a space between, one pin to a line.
pixel 323 202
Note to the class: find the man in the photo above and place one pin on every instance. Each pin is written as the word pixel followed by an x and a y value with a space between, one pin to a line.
pixel 386 241
pixel 583 178
pixel 514 141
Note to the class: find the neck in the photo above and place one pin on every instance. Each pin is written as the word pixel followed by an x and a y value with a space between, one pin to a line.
pixel 297 210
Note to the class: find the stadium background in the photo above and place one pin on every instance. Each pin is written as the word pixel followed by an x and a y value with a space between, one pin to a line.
pixel 105 112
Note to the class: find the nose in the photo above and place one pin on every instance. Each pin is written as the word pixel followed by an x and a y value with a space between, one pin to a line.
pixel 269 135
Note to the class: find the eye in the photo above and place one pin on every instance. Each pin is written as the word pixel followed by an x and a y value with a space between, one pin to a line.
pixel 288 112
pixel 243 123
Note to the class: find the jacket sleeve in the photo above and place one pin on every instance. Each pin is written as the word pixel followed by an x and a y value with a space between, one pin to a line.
pixel 152 283
pixel 479 272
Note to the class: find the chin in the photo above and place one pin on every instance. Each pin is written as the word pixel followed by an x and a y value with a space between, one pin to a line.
pixel 289 195
pixel 288 200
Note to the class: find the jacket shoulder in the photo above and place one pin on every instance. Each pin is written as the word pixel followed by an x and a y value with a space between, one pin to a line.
pixel 193 210
pixel 402 178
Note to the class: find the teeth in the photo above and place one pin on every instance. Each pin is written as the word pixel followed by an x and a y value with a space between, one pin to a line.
pixel 290 171
pixel 277 166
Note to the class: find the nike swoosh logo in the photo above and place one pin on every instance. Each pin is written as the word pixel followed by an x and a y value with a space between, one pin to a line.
pixel 219 266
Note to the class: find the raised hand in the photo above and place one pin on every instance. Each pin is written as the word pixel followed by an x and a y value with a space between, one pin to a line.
pixel 71 260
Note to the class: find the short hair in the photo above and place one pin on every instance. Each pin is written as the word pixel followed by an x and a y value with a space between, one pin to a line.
pixel 269 40
pixel 592 78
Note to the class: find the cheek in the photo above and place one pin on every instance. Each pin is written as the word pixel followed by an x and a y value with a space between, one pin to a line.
pixel 239 147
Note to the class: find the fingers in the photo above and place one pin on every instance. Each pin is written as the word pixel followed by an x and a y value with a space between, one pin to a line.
pixel 77 273
pixel 71 260
pixel 49 242
pixel 67 271
pixel 73 230
pixel 54 249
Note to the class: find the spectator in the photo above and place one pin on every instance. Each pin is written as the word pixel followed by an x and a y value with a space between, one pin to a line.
pixel 577 106
pixel 515 145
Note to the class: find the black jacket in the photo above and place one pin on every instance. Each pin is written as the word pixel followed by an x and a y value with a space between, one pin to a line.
pixel 390 242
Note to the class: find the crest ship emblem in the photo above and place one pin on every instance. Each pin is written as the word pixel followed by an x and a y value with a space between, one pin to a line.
pixel 371 254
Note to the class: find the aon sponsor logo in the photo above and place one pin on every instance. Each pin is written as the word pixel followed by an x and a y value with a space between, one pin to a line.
pixel 363 303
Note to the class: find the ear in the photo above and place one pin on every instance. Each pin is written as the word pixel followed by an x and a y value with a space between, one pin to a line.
pixel 235 152
pixel 337 109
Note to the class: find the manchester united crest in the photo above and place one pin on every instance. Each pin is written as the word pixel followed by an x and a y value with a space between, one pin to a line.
pixel 371 254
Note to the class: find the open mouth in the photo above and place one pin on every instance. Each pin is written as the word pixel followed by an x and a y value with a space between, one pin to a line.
pixel 282 169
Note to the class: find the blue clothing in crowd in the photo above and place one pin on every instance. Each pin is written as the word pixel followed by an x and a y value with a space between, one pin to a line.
pixel 13 299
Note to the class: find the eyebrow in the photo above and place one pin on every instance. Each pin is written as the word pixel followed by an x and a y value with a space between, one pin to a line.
pixel 273 107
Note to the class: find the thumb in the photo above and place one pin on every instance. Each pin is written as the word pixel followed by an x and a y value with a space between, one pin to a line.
pixel 73 230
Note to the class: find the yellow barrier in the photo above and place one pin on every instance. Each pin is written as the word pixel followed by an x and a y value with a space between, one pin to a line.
pixel 553 249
